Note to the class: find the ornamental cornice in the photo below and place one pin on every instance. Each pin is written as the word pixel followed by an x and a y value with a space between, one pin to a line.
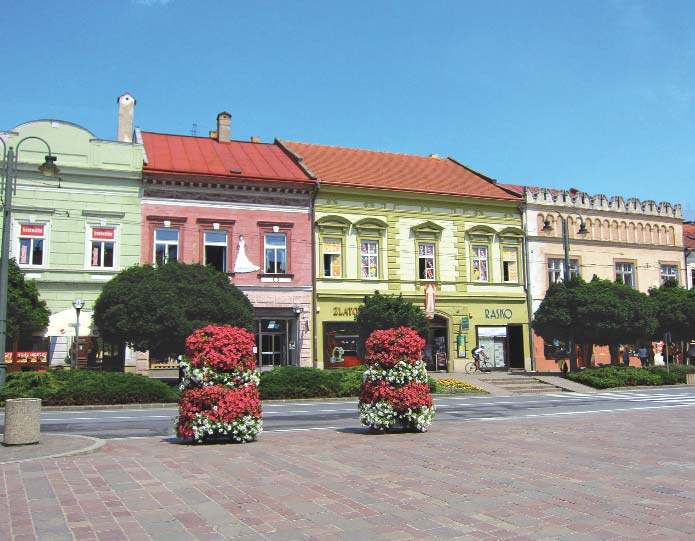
pixel 605 243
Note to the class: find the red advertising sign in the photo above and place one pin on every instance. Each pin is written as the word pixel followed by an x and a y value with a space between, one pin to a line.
pixel 106 233
pixel 31 230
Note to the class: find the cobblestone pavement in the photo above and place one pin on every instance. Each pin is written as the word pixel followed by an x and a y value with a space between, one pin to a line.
pixel 606 476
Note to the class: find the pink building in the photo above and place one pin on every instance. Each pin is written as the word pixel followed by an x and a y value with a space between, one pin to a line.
pixel 245 208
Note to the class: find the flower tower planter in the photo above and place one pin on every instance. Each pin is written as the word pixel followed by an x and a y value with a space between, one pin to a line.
pixel 220 399
pixel 395 388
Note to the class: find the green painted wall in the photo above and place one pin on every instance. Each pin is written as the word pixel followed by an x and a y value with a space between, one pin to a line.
pixel 455 225
pixel 99 184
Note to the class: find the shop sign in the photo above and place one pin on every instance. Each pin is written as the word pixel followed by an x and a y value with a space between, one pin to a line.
pixel 31 230
pixel 498 313
pixel 429 301
pixel 28 357
pixel 347 311
pixel 106 233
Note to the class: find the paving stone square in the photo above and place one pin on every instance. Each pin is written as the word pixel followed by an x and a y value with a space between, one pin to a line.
pixel 609 476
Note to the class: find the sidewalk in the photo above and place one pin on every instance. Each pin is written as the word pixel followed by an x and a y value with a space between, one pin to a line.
pixel 50 446
pixel 531 479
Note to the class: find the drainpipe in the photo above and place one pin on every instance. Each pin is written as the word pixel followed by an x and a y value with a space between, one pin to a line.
pixel 527 282
pixel 314 303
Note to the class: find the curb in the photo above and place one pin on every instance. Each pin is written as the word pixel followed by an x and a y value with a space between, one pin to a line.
pixel 97 443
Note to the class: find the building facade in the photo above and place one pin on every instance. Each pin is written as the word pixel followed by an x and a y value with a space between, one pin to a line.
pixel 429 229
pixel 689 245
pixel 72 232
pixel 638 242
pixel 245 208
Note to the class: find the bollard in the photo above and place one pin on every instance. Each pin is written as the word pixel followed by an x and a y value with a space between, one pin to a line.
pixel 22 421
pixel 690 379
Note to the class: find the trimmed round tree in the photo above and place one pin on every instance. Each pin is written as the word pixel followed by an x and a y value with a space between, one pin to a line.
pixel 220 399
pixel 395 388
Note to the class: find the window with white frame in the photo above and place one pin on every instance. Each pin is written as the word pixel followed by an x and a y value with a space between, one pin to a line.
pixel 480 258
pixel 215 249
pixel 426 260
pixel 369 258
pixel 556 269
pixel 275 253
pixel 510 264
pixel 332 257
pixel 31 245
pixel 166 245
pixel 625 272
pixel 669 272
pixel 102 247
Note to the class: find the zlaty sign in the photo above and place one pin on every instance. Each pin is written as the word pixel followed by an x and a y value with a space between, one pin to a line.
pixel 498 313
pixel 347 311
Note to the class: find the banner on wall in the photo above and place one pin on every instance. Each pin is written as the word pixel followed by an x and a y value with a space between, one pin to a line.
pixel 429 301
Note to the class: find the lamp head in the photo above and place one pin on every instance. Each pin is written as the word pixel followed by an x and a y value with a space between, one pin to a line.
pixel 77 304
pixel 582 229
pixel 547 227
pixel 49 168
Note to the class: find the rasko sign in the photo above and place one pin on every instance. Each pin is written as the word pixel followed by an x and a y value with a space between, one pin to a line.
pixel 498 313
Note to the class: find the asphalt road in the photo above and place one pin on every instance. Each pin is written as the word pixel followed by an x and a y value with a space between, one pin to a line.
pixel 303 415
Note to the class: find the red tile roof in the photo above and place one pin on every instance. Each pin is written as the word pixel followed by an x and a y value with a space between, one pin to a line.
pixel 206 156
pixel 390 171
pixel 689 236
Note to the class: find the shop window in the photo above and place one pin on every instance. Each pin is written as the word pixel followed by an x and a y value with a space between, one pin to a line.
pixel 32 244
pixel 332 257
pixel 556 269
pixel 340 341
pixel 102 247
pixel 369 258
pixel 625 273
pixel 669 272
pixel 480 263
pixel 426 260
pixel 510 264
pixel 216 250
pixel 166 245
pixel 275 253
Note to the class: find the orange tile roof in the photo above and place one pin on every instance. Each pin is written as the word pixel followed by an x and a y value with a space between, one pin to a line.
pixel 354 167
pixel 689 236
pixel 206 156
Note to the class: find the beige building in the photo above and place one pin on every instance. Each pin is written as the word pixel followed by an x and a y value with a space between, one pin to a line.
pixel 639 242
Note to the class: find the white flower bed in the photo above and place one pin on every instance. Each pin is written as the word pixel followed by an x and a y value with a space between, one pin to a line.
pixel 399 374
pixel 242 430
pixel 206 376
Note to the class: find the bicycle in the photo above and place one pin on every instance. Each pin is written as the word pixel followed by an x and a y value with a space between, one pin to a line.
pixel 481 364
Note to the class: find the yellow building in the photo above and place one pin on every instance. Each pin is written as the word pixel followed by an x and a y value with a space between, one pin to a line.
pixel 404 224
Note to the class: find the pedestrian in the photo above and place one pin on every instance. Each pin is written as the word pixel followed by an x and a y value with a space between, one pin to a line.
pixel 626 356
pixel 643 355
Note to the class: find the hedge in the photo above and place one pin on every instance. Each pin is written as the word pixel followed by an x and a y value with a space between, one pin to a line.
pixel 606 377
pixel 82 387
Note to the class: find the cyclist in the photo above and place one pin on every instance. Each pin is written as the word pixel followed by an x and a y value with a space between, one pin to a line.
pixel 480 354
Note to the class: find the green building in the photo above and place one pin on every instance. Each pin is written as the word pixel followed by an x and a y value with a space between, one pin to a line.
pixel 442 235
pixel 72 233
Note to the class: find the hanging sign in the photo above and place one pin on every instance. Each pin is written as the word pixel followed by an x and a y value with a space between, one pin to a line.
pixel 429 301
pixel 105 233
pixel 31 230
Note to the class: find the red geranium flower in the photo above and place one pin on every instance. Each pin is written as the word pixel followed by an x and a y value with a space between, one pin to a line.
pixel 389 346
pixel 222 347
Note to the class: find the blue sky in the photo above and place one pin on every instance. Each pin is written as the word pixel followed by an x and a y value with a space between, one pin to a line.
pixel 594 95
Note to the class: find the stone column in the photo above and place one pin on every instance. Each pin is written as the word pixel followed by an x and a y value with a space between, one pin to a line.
pixel 22 421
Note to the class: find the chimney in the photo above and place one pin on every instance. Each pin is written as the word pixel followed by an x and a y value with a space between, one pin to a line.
pixel 224 127
pixel 126 109
pixel 255 139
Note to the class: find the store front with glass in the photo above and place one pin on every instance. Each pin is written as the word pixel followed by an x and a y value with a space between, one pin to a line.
pixel 504 345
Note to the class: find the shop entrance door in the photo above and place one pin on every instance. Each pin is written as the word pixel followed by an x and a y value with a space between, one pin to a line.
pixel 436 352
pixel 515 346
pixel 272 343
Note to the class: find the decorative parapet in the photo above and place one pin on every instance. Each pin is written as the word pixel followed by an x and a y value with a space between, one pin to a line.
pixel 576 199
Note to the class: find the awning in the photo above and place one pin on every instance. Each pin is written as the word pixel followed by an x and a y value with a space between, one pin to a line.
pixel 63 323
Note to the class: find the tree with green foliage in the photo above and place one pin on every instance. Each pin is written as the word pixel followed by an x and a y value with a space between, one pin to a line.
pixel 387 312
pixel 155 308
pixel 612 313
pixel 674 309
pixel 26 311
pixel 598 312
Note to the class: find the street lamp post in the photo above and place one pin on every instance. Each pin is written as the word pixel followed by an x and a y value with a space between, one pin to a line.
pixel 547 227
pixel 77 304
pixel 47 168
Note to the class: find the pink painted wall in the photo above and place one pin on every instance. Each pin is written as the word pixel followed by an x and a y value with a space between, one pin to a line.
pixel 193 221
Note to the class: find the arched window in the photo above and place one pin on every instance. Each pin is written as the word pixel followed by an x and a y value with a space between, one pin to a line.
pixel 631 232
